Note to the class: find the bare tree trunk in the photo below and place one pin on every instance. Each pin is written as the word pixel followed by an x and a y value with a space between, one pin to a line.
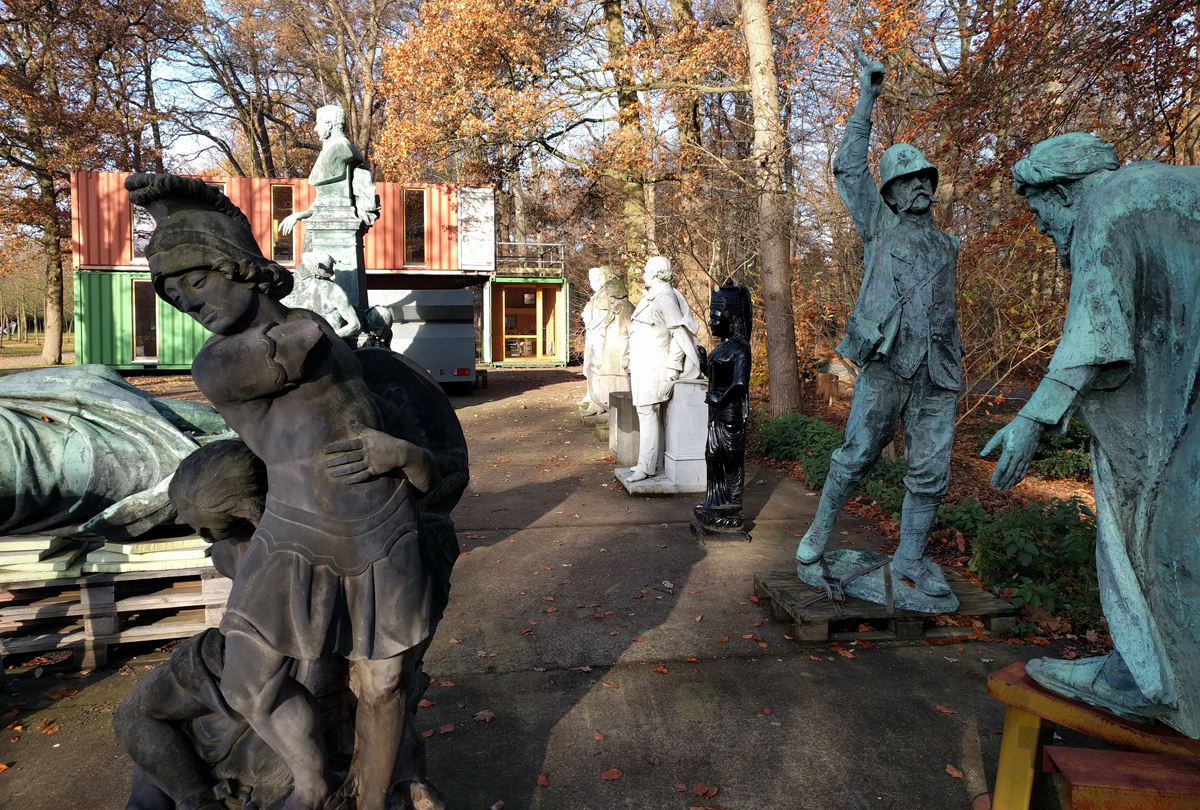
pixel 774 217
pixel 633 197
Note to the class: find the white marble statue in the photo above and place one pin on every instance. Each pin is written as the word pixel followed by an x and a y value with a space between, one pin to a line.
pixel 316 291
pixel 660 351
pixel 340 175
pixel 606 323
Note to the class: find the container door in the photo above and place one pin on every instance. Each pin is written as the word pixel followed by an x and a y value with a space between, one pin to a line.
pixel 145 322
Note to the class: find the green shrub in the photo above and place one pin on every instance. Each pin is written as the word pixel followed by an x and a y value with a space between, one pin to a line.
pixel 967 517
pixel 1065 456
pixel 810 442
pixel 803 439
pixel 1045 552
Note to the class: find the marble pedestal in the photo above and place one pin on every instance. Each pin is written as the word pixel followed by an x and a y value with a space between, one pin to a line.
pixel 338 231
pixel 683 469
pixel 623 433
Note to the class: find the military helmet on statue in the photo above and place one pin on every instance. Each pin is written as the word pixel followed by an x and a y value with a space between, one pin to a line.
pixel 903 159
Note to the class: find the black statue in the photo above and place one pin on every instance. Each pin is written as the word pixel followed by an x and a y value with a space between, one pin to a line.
pixel 350 557
pixel 728 408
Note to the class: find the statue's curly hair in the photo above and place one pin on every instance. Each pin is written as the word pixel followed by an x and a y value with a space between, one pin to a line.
pixel 268 278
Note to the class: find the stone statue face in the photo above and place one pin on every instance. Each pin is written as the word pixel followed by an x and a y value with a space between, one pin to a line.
pixel 718 319
pixel 1052 210
pixel 910 192
pixel 216 301
pixel 594 278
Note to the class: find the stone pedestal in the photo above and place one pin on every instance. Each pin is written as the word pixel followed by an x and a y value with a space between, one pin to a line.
pixel 623 433
pixel 686 431
pixel 338 231
pixel 683 468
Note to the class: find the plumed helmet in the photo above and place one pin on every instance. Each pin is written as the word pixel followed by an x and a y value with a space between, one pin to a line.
pixel 903 159
pixel 734 299
pixel 196 226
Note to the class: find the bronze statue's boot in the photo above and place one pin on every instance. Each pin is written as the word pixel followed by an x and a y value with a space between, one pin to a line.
pixel 1103 681
pixel 916 519
pixel 838 489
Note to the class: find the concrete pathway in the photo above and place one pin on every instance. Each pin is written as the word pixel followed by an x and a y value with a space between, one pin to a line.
pixel 569 601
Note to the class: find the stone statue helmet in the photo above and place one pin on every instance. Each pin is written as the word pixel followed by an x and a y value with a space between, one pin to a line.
pixel 202 242
pixel 730 311
pixel 901 170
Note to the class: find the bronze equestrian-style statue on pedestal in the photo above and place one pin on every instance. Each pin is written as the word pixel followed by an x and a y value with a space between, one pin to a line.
pixel 728 409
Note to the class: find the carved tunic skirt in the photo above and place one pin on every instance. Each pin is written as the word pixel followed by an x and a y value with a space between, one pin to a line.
pixel 311 586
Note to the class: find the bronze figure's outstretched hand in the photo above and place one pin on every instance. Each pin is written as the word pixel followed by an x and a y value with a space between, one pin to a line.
pixel 1019 438
pixel 871 77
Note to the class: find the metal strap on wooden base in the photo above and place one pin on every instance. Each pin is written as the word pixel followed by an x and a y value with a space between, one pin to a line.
pixel 835 588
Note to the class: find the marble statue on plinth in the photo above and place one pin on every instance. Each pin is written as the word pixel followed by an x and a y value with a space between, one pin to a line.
pixel 345 206
pixel 903 334
pixel 1127 366
pixel 351 554
pixel 316 292
pixel 661 351
pixel 728 402
pixel 606 331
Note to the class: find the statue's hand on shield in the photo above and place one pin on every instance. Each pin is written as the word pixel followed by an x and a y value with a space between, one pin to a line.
pixel 1019 438
pixel 871 77
pixel 372 454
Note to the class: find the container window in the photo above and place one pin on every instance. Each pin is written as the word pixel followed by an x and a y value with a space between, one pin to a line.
pixel 282 206
pixel 414 226
pixel 145 322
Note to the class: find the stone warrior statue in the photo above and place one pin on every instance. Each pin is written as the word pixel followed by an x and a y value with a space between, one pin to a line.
pixel 606 324
pixel 903 334
pixel 341 561
pixel 728 408
pixel 1127 365
pixel 661 350
pixel 340 175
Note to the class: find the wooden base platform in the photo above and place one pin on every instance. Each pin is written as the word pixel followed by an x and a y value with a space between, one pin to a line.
pixel 1029 725
pixel 820 622
pixel 89 614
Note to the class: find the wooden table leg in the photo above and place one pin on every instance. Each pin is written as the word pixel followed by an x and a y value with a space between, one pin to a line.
pixel 1020 758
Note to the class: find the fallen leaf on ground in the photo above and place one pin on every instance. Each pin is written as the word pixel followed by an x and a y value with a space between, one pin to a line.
pixel 765 712
pixel 11 715
pixel 865 628
pixel 597 736
pixel 753 598
pixel 680 787
pixel 945 709
pixel 705 791
pixel 543 781
pixel 748 636
pixel 3 767
pixel 485 716
pixel 52 730
pixel 44 723
pixel 611 774
pixel 955 772
pixel 637 638
pixel 758 623
pixel 613 633
pixel 427 733
pixel 552 610
pixel 547 598
pixel 660 670
pixel 610 684
pixel 814 658
pixel 446 729
pixel 425 704
pixel 652 760
pixel 455 641
pixel 447 683
pixel 693 660
pixel 724 639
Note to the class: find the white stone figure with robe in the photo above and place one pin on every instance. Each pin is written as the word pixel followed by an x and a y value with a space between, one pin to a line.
pixel 316 291
pixel 661 350
pixel 606 327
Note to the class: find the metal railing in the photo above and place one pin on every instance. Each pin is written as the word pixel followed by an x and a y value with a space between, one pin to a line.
pixel 531 258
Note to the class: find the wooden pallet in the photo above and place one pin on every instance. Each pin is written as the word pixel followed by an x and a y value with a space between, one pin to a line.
pixel 820 622
pixel 90 614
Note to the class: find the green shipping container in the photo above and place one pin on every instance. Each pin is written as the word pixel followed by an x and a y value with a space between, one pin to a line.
pixel 120 322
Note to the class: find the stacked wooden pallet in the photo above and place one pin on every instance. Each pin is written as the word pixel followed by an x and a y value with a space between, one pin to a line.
pixel 90 613
pixel 149 555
